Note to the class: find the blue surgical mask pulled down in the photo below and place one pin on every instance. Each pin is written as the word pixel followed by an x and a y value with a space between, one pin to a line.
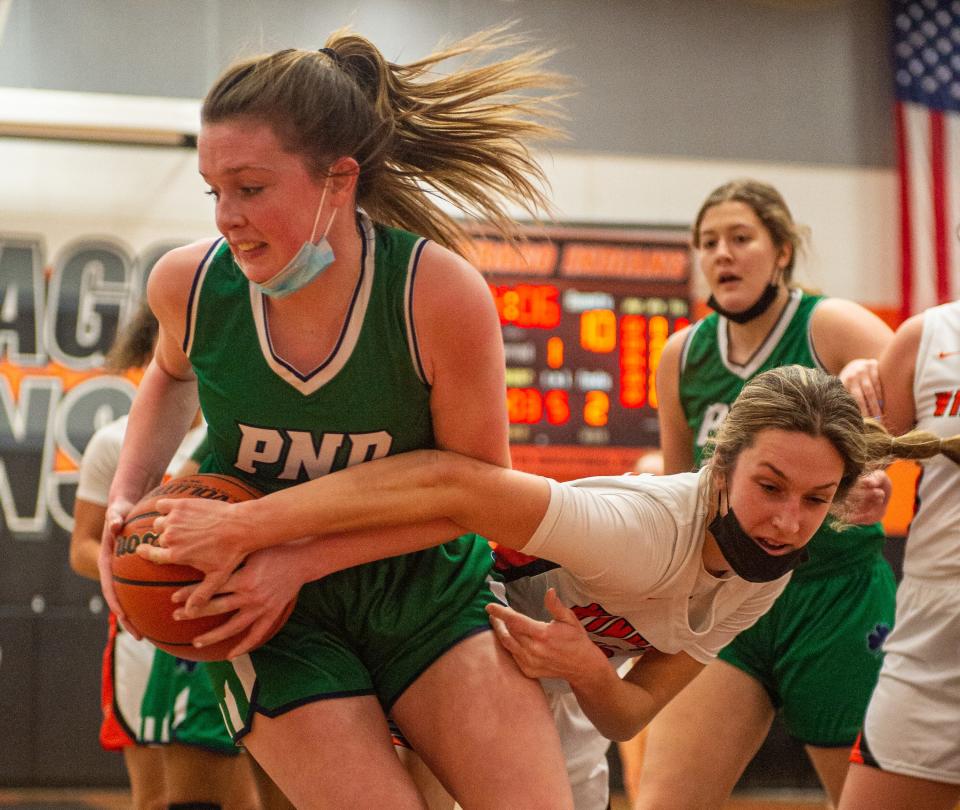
pixel 308 263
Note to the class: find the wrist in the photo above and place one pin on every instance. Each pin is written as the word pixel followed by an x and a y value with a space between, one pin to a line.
pixel 594 674
pixel 250 530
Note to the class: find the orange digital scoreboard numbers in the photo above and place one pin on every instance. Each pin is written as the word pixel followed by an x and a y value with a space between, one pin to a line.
pixel 585 315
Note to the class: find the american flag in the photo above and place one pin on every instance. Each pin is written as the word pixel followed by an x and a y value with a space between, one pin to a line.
pixel 926 52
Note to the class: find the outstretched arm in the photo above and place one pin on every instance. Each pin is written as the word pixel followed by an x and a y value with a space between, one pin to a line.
pixel 411 489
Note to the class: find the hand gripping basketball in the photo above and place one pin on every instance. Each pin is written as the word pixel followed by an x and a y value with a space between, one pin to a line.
pixel 144 588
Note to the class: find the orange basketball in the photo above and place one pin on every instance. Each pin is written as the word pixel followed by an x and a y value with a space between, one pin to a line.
pixel 144 588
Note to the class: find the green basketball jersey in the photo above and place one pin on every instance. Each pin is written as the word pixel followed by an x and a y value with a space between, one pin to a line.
pixel 275 426
pixel 710 382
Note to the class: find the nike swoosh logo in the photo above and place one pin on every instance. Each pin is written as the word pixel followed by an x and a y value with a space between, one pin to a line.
pixel 945 355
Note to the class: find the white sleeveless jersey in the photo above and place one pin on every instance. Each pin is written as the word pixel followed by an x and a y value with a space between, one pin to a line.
pixel 933 544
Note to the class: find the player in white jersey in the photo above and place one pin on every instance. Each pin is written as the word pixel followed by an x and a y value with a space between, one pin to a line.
pixel 688 613
pixel 655 568
pixel 908 755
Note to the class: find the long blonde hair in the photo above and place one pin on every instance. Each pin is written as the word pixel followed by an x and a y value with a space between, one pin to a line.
pixel 810 401
pixel 463 135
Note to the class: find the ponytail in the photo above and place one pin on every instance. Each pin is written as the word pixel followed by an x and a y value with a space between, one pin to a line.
pixel 882 448
pixel 415 134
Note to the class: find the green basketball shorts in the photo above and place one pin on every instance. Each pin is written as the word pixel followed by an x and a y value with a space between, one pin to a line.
pixel 180 706
pixel 369 630
pixel 817 651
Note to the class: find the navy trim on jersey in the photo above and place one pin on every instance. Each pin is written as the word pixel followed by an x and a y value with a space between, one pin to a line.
pixel 255 708
pixel 414 343
pixel 810 346
pixel 188 331
pixel 343 331
pixel 508 572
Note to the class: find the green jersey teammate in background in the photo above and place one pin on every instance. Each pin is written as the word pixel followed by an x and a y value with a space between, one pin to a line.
pixel 814 657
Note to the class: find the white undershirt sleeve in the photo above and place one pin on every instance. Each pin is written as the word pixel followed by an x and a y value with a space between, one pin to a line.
pixel 98 465
pixel 613 536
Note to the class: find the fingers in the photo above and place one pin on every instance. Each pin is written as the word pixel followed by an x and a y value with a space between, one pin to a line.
pixel 886 485
pixel 517 650
pixel 183 594
pixel 870 399
pixel 104 567
pixel 515 623
pixel 868 501
pixel 867 393
pixel 862 379
pixel 557 609
pixel 509 630
pixel 212 584
pixel 258 633
pixel 214 607
pixel 500 628
pixel 155 554
pixel 114 523
pixel 520 635
pixel 234 625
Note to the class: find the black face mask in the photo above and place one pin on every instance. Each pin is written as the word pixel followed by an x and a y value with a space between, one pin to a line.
pixel 755 310
pixel 747 558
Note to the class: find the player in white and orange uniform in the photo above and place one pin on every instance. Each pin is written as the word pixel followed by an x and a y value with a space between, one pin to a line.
pixel 908 754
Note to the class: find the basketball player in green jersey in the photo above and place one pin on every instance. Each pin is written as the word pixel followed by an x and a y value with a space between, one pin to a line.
pixel 814 657
pixel 320 338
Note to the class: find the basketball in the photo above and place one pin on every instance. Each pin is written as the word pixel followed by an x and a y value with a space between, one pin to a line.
pixel 144 588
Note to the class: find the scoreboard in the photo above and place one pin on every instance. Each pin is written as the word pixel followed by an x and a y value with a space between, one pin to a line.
pixel 585 314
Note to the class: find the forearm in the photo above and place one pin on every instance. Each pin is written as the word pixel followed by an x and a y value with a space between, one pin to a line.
pixel 619 709
pixel 85 541
pixel 445 490
pixel 83 558
pixel 318 557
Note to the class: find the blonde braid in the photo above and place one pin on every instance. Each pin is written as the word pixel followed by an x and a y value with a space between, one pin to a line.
pixel 882 447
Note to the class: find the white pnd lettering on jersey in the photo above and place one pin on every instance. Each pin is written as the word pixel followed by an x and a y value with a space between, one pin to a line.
pixel 368 446
pixel 257 446
pixel 302 454
pixel 297 450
